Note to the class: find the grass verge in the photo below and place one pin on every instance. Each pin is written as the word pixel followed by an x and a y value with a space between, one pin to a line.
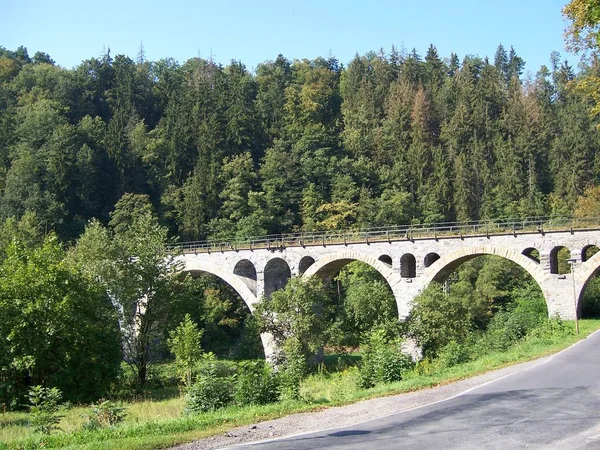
pixel 160 424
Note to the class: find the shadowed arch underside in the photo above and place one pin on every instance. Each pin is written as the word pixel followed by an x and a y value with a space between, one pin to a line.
pixel 328 266
pixel 246 271
pixel 443 267
pixel 194 265
pixel 233 280
pixel 277 273
pixel 532 253
pixel 584 274
pixel 304 264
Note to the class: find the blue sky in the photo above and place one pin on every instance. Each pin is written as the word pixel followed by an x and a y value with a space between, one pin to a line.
pixel 255 31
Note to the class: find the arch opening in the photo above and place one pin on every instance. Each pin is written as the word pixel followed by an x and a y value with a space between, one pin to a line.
pixel 386 259
pixel 532 253
pixel 408 266
pixel 430 258
pixel 588 305
pixel 360 296
pixel 558 260
pixel 588 251
pixel 304 264
pixel 277 273
pixel 246 271
pixel 364 299
pixel 477 296
pixel 223 314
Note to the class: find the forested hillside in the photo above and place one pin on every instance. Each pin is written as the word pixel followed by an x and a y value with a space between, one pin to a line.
pixel 391 138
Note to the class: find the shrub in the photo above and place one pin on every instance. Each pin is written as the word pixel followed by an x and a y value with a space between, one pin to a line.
pixel 292 369
pixel 210 391
pixel 507 327
pixel 551 327
pixel 44 407
pixel 184 343
pixel 437 318
pixel 383 360
pixel 454 353
pixel 104 414
pixel 256 384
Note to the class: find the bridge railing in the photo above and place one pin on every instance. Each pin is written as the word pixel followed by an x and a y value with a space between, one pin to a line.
pixel 392 233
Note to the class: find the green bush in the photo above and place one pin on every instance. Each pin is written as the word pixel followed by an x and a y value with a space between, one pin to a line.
pixel 44 408
pixel 104 414
pixel 292 369
pixel 383 360
pixel 454 353
pixel 550 328
pixel 256 384
pixel 210 391
pixel 508 327
pixel 208 394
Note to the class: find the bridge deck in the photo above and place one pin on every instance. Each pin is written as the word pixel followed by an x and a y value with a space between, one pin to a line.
pixel 451 230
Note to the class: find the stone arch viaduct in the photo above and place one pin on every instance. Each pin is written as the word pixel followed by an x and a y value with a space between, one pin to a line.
pixel 408 258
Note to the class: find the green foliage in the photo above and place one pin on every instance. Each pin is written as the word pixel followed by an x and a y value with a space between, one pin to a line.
pixel 293 368
pixel 104 414
pixel 256 384
pixel 386 139
pixel 382 361
pixel 185 344
pixel 437 319
pixel 44 408
pixel 297 312
pixel 132 261
pixel 210 391
pixel 60 328
pixel 367 302
pixel 591 299
pixel 454 353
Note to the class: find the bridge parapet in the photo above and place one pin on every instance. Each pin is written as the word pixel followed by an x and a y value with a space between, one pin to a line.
pixel 390 234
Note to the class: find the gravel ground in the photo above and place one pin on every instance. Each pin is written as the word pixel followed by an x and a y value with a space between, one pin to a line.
pixel 353 414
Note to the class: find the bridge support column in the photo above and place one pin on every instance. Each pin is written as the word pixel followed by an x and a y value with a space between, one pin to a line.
pixel 269 346
pixel 560 297
pixel 405 292
pixel 260 284
pixel 545 261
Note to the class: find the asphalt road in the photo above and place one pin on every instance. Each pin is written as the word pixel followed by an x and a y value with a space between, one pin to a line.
pixel 552 405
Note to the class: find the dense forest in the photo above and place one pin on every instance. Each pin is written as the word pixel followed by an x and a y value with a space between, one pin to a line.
pixel 391 138
pixel 104 165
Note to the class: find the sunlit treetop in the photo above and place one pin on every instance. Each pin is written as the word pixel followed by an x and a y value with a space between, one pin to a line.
pixel 583 33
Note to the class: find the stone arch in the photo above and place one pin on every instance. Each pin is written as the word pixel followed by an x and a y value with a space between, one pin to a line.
pixel 583 274
pixel 588 251
pixel 408 266
pixel 530 253
pixel 386 259
pixel 554 266
pixel 191 264
pixel 430 258
pixel 277 273
pixel 304 264
pixel 246 271
pixel 444 266
pixel 328 266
